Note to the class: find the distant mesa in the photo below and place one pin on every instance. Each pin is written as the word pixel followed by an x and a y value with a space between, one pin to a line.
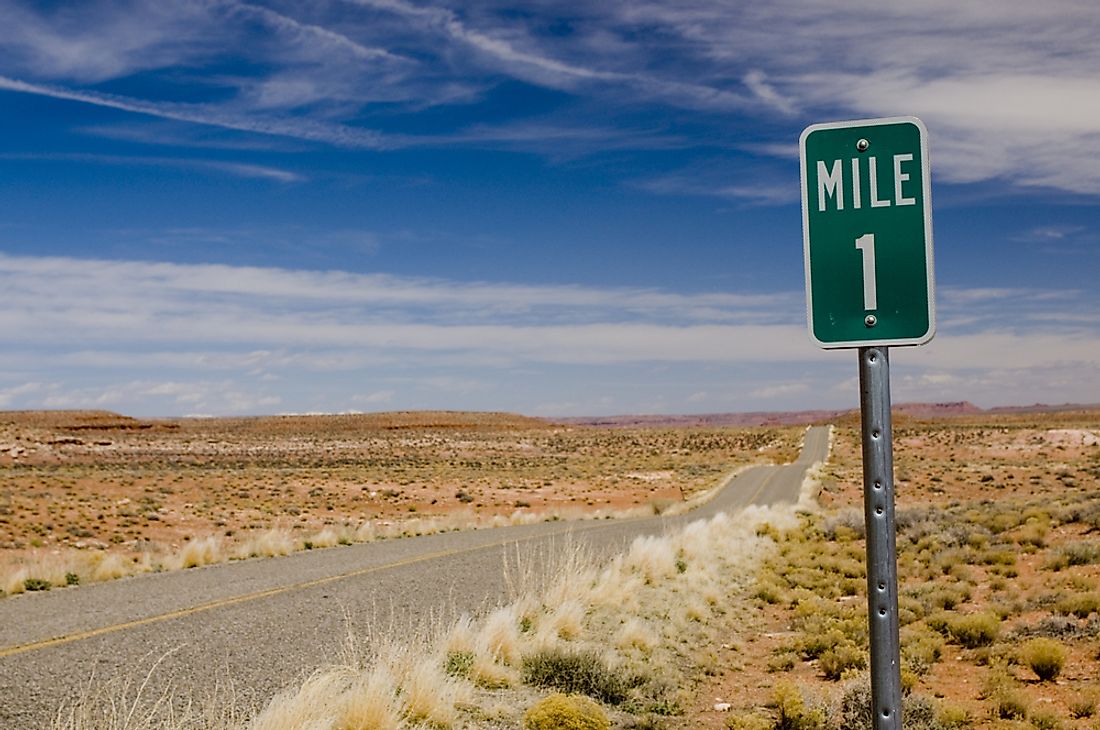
pixel 76 421
pixel 806 418
pixel 80 421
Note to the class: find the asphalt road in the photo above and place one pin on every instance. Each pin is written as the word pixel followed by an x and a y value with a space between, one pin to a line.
pixel 268 623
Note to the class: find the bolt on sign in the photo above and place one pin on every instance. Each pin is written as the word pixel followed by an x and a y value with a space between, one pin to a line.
pixel 867 232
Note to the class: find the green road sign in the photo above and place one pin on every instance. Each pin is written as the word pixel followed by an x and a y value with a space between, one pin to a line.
pixel 867 233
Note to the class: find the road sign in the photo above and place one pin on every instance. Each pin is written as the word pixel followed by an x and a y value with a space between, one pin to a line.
pixel 867 233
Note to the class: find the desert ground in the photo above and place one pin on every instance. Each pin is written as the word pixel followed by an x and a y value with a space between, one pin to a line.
pixel 998 520
pixel 95 495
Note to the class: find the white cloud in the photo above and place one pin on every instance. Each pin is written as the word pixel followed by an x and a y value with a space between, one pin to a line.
pixel 783 390
pixel 172 338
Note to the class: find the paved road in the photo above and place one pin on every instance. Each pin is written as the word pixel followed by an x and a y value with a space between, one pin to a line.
pixel 266 623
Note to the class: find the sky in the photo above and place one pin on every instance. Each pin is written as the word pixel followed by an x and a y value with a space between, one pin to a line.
pixel 551 208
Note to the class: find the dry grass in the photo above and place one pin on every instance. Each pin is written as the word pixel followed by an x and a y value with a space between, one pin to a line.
pixel 574 624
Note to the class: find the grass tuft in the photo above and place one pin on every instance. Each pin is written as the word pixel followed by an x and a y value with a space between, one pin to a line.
pixel 578 672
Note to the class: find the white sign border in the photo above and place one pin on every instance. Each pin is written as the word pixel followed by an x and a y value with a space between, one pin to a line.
pixel 926 190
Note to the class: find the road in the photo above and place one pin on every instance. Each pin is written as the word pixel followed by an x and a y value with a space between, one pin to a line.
pixel 268 623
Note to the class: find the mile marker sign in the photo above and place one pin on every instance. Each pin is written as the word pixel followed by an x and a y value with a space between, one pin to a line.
pixel 867 233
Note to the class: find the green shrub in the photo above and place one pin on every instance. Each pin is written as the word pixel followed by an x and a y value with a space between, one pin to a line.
pixel 939 622
pixel 1045 657
pixel 812 644
pixel 1082 706
pixel 782 661
pixel 1080 605
pixel 1010 706
pixel 954 716
pixel 748 722
pixel 582 672
pixel 565 712
pixel 920 649
pixel 36 584
pixel 72 579
pixel 1045 721
pixel 975 629
pixel 841 658
pixel 459 663
pixel 769 591
pixel 791 710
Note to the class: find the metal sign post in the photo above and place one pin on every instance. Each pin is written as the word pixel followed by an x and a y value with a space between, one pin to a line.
pixel 882 563
pixel 867 238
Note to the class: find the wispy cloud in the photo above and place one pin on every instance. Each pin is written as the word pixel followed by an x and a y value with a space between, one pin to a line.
pixel 305 129
pixel 236 169
pixel 1004 88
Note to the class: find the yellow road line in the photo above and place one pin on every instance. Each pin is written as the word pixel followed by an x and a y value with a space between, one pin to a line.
pixel 222 603
pixel 767 479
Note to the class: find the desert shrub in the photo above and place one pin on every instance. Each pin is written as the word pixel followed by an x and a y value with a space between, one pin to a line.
pixel 1080 605
pixel 946 598
pixel 769 590
pixel 581 672
pixel 1032 536
pixel 791 710
pixel 1082 706
pixel 840 659
pixel 954 716
pixel 919 713
pixel 72 579
pixel 783 661
pixel 812 644
pixel 1045 657
pixel 910 610
pixel 920 649
pixel 845 525
pixel 748 722
pixel 1052 627
pixel 1045 721
pixel 1000 689
pixel 1074 553
pixel 37 584
pixel 939 622
pixel 1009 706
pixel 565 712
pixel 974 630
pixel 854 711
pixel 998 557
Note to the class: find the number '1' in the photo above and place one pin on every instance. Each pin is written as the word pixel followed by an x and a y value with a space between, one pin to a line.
pixel 866 246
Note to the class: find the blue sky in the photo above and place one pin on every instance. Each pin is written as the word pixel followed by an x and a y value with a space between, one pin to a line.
pixel 550 208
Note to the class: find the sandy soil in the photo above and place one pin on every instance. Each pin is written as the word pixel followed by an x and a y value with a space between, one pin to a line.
pixel 96 481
